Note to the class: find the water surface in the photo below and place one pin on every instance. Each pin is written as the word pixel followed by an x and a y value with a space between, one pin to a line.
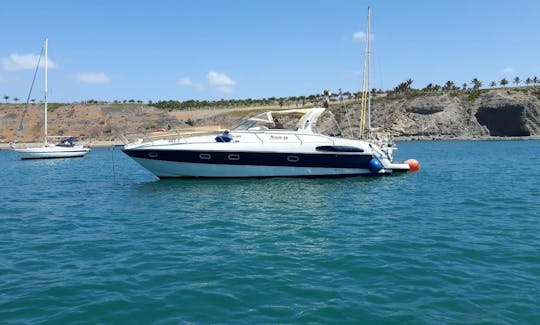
pixel 100 240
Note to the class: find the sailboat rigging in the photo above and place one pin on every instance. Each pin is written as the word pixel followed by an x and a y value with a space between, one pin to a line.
pixel 21 125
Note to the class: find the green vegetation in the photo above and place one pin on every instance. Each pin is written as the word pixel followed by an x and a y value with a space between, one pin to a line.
pixel 51 107
pixel 282 102
pixel 403 90
pixel 473 96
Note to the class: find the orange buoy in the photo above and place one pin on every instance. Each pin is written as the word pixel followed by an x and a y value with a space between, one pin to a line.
pixel 414 165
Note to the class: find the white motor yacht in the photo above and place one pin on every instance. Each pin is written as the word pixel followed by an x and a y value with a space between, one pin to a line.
pixel 286 143
pixel 281 143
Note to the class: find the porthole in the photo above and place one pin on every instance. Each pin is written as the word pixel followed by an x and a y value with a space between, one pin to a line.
pixel 234 156
pixel 293 158
pixel 152 154
pixel 205 156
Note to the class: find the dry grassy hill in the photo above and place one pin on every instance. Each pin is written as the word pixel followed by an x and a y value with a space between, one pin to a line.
pixel 495 113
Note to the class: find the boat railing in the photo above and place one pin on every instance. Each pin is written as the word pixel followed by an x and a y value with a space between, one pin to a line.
pixel 383 139
pixel 171 135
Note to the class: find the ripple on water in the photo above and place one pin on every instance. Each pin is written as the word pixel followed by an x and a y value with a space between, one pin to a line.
pixel 447 244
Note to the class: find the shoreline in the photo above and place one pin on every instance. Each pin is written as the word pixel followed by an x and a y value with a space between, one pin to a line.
pixel 475 138
pixel 106 144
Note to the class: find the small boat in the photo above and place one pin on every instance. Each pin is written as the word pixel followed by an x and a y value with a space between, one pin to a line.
pixel 279 143
pixel 65 148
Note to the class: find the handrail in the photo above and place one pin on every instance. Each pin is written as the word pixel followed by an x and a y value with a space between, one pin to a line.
pixel 165 135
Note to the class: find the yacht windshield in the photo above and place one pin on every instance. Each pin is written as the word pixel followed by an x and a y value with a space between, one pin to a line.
pixel 278 120
pixel 315 120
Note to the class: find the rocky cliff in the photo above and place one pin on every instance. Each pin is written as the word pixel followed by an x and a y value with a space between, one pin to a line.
pixel 495 113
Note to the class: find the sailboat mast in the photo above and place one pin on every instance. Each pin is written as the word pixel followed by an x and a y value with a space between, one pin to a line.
pixel 46 69
pixel 365 112
pixel 368 54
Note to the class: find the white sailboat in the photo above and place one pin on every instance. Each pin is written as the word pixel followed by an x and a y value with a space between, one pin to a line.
pixel 66 148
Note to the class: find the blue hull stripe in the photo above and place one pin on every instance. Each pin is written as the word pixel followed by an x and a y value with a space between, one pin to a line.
pixel 330 160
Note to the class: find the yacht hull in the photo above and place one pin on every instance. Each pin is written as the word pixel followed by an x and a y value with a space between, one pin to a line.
pixel 171 169
pixel 177 163
pixel 257 151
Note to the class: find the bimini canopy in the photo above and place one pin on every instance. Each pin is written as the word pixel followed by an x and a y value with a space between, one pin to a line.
pixel 67 142
pixel 291 119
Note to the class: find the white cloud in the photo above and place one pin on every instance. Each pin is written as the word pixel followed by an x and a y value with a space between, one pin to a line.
pixel 508 70
pixel 184 81
pixel 93 78
pixel 221 81
pixel 17 61
pixel 361 36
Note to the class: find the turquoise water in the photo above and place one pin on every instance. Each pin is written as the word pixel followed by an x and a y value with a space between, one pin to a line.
pixel 100 240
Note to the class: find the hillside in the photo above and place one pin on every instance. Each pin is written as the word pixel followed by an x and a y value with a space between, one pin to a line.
pixel 490 113
pixel 495 113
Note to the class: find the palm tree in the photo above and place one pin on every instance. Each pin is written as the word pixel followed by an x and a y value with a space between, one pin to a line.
pixel 404 86
pixel 503 82
pixel 492 84
pixel 528 81
pixel 449 85
pixel 517 80
pixel 409 83
pixel 33 100
pixel 16 99
pixel 476 83
pixel 6 97
pixel 464 86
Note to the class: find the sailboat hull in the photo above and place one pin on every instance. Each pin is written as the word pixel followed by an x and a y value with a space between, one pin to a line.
pixel 52 152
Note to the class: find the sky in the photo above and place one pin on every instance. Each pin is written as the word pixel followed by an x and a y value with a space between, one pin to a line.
pixel 213 49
